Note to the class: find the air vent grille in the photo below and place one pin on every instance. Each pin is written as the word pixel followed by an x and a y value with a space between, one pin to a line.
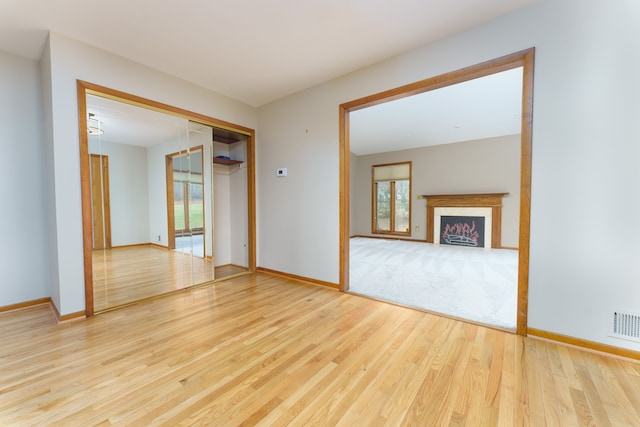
pixel 626 326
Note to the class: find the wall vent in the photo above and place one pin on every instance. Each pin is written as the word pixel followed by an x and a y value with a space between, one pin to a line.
pixel 625 326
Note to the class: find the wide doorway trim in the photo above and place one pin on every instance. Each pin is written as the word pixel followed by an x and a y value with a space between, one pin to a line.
pixel 524 59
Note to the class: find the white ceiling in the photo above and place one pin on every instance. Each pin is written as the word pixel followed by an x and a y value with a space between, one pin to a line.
pixel 487 107
pixel 127 124
pixel 255 51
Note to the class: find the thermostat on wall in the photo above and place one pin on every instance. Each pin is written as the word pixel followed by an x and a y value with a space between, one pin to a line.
pixel 281 172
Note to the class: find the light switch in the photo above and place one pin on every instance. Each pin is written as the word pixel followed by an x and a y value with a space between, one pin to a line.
pixel 281 172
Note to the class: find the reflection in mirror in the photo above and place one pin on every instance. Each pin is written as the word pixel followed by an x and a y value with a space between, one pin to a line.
pixel 187 203
pixel 153 193
pixel 461 139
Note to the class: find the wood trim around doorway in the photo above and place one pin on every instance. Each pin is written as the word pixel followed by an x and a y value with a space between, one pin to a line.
pixel 104 221
pixel 524 59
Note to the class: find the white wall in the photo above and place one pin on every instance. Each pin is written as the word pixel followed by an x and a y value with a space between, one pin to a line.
pixel 71 60
pixel 157 195
pixel 49 174
pixel 238 202
pixel 222 217
pixel 230 197
pixel 298 215
pixel 585 151
pixel 128 191
pixel 222 207
pixel 24 249
pixel 490 165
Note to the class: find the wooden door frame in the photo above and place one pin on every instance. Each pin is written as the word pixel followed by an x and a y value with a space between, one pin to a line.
pixel 106 202
pixel 171 232
pixel 83 89
pixel 524 59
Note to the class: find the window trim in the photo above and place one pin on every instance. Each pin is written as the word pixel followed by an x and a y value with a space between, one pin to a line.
pixel 374 200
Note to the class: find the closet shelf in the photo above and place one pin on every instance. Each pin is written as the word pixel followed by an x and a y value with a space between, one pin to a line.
pixel 222 161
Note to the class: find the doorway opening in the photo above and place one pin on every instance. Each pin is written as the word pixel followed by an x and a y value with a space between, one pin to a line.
pixel 522 59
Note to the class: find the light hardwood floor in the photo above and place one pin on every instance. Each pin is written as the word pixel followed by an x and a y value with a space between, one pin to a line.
pixel 132 273
pixel 264 350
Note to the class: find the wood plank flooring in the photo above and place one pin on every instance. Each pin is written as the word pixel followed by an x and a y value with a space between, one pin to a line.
pixel 264 350
pixel 132 273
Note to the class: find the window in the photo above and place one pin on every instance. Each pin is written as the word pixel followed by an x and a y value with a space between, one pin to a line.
pixel 188 203
pixel 391 212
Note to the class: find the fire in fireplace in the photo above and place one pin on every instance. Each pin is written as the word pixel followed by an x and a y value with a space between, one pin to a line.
pixel 462 230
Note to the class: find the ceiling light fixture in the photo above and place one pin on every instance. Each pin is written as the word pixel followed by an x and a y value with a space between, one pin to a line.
pixel 94 126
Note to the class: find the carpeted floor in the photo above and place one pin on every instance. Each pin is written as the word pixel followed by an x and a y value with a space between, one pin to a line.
pixel 471 283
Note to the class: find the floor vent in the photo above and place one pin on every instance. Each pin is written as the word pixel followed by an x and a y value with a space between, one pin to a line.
pixel 626 326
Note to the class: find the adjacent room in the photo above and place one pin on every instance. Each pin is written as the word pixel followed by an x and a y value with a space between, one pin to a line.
pixel 460 140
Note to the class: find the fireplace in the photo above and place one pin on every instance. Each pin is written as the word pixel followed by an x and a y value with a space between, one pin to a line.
pixel 462 230
pixel 466 226
pixel 472 219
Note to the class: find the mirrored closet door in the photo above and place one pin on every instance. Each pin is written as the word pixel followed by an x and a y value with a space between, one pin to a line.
pixel 159 185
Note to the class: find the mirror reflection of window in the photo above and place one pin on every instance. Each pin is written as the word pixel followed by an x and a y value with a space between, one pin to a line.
pixel 188 202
